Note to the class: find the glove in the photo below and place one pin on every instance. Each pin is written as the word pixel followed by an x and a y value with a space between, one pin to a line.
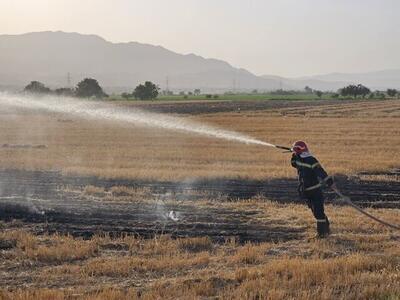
pixel 329 182
pixel 293 160
pixel 300 190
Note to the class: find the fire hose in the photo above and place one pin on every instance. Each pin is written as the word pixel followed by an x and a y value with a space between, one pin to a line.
pixel 348 201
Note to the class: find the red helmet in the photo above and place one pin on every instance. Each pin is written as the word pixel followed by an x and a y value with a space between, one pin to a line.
pixel 299 147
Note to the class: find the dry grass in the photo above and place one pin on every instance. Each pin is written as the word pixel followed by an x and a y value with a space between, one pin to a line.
pixel 55 249
pixel 361 260
pixel 363 136
pixel 195 244
pixel 125 191
pixel 91 190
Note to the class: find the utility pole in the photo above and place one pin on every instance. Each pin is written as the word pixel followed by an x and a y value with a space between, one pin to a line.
pixel 167 84
pixel 68 80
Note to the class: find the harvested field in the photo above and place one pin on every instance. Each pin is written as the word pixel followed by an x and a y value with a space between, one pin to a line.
pixel 325 108
pixel 110 150
pixel 98 210
pixel 359 253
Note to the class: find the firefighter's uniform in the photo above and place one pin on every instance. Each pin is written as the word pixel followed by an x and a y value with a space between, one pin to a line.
pixel 312 178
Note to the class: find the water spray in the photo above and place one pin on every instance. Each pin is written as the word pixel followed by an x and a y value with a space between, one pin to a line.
pixel 103 111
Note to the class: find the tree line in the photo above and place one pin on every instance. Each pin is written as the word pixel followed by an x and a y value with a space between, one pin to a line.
pixel 362 91
pixel 86 88
pixel 90 88
pixel 356 91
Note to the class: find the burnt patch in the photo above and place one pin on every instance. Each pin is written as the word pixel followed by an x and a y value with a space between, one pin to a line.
pixel 145 220
pixel 7 244
pixel 38 198
pixel 49 186
pixel 207 107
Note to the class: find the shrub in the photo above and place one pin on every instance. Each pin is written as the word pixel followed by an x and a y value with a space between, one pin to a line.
pixel 146 91
pixel 89 87
pixel 36 87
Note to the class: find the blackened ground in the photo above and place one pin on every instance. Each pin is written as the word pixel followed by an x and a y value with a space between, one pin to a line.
pixel 48 201
pixel 206 107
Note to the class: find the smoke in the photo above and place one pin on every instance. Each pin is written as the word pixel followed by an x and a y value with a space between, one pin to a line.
pixel 104 111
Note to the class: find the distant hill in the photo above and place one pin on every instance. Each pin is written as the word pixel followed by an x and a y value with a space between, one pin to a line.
pixel 300 84
pixel 380 80
pixel 50 56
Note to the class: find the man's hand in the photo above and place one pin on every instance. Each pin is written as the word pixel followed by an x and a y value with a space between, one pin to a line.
pixel 293 160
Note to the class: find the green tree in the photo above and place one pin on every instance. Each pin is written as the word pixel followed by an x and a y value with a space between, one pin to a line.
pixel 197 92
pixel 146 91
pixel 37 87
pixel 363 90
pixel 391 92
pixel 347 91
pixel 89 87
pixel 318 93
pixel 355 90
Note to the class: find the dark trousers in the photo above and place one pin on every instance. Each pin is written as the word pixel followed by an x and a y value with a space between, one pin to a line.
pixel 315 201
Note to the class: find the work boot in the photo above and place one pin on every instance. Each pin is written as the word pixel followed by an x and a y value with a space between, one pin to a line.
pixel 322 228
pixel 327 229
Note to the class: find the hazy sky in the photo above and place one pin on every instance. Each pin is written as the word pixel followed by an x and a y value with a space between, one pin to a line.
pixel 285 37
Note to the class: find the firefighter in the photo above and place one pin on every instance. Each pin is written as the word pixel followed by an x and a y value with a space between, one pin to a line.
pixel 312 178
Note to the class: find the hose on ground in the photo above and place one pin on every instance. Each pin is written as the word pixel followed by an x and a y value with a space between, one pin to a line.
pixel 348 201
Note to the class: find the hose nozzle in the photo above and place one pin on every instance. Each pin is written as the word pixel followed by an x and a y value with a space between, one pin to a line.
pixel 284 148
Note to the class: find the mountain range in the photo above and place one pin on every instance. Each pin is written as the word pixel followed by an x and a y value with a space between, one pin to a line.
pixel 61 59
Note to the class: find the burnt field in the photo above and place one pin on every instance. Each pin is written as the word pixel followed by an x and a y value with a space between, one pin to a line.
pixel 311 108
pixel 86 206
pixel 91 209
pixel 216 106
pixel 172 186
